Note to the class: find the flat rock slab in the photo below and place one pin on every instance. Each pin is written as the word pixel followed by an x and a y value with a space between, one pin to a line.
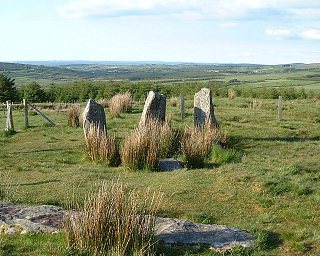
pixel 176 231
pixel 19 219
pixel 169 164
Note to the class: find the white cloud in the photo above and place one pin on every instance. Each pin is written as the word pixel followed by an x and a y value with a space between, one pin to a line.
pixel 218 9
pixel 306 12
pixel 310 34
pixel 279 32
pixel 296 33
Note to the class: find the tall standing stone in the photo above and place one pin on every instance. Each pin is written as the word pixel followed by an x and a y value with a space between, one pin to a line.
pixel 154 108
pixel 203 109
pixel 94 113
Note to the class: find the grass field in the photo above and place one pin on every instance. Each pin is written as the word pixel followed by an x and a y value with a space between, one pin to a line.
pixel 272 193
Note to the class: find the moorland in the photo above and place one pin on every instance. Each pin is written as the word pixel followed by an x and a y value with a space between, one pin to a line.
pixel 272 191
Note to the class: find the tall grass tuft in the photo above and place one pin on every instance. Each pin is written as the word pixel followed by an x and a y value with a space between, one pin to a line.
pixel 173 101
pixel 169 140
pixel 196 144
pixel 73 113
pixel 255 104
pixel 120 103
pixel 101 147
pixel 143 147
pixel 232 94
pixel 103 102
pixel 112 222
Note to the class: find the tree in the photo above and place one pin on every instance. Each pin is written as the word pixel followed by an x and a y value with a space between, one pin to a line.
pixel 34 93
pixel 8 90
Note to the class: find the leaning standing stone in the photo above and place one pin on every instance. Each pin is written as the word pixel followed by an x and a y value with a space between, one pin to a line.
pixel 203 109
pixel 94 113
pixel 154 108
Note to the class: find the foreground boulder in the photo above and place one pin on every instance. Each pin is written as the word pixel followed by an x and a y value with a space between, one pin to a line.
pixel 203 109
pixel 218 237
pixel 94 114
pixel 154 108
pixel 19 219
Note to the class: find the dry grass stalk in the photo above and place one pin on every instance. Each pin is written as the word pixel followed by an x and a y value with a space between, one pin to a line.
pixel 232 94
pixel 101 147
pixel 255 104
pixel 120 103
pixel 146 144
pixel 73 116
pixel 112 222
pixel 103 102
pixel 197 142
pixel 173 101
pixel 169 142
pixel 141 148
pixel 61 107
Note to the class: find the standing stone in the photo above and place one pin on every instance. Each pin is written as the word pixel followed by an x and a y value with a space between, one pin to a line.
pixel 203 109
pixel 154 108
pixel 94 113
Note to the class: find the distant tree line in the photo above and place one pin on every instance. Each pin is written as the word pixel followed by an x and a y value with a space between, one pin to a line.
pixel 82 90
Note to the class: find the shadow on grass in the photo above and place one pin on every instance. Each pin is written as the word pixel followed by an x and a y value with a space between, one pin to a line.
pixel 36 183
pixel 7 134
pixel 266 240
pixel 179 250
pixel 42 150
pixel 282 139
pixel 7 249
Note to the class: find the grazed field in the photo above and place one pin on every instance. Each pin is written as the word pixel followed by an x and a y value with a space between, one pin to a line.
pixel 272 193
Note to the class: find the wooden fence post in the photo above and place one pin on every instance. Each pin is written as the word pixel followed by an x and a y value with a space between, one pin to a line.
pixel 280 108
pixel 26 118
pixel 9 120
pixel 182 107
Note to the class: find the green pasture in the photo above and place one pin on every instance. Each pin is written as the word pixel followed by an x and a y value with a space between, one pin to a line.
pixel 272 193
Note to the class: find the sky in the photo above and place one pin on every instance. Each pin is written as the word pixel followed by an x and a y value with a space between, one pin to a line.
pixel 206 31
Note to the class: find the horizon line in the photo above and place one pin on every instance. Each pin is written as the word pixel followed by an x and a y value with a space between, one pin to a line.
pixel 151 62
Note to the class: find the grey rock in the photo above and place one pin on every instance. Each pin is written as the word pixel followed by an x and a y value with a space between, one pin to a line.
pixel 154 108
pixel 203 109
pixel 94 113
pixel 176 231
pixel 49 219
pixel 10 231
pixel 169 164
pixel 44 218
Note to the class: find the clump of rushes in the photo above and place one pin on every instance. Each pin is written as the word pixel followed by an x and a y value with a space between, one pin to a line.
pixel 196 144
pixel 73 116
pixel 103 102
pixel 143 147
pixel 120 103
pixel 101 147
pixel 173 101
pixel 232 94
pixel 112 222
pixel 169 140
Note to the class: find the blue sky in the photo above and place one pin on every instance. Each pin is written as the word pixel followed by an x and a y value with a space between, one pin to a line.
pixel 224 31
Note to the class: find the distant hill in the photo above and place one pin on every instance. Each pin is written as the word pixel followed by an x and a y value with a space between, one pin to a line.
pixel 47 72
pixel 54 63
